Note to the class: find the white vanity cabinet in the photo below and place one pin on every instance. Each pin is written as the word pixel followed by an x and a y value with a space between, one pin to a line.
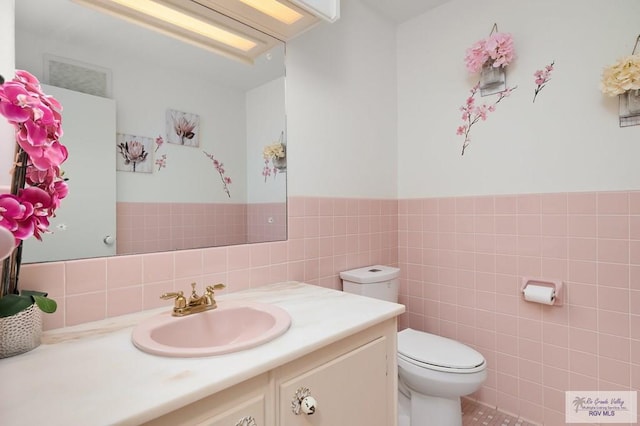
pixel 341 347
pixel 353 381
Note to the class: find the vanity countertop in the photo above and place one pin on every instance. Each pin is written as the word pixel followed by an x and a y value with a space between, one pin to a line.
pixel 92 374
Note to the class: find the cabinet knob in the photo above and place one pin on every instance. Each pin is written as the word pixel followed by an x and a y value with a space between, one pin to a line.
pixel 303 401
pixel 247 421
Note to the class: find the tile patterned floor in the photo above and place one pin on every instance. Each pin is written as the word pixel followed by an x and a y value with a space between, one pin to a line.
pixel 474 414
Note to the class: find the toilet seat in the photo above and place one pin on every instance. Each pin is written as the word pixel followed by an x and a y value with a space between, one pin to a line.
pixel 438 353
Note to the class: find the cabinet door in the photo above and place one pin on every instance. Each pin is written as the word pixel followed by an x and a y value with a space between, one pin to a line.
pixel 350 390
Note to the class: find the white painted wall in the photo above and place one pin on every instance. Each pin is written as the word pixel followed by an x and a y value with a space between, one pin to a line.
pixel 341 107
pixel 7 68
pixel 265 121
pixel 569 140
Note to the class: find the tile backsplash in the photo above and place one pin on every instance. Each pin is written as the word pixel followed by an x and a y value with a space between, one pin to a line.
pixel 325 236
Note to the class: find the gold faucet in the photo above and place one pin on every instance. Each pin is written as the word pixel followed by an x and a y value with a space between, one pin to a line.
pixel 195 304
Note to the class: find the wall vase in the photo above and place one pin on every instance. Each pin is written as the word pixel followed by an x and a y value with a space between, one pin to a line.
pixel 492 80
pixel 629 108
pixel 21 332
pixel 280 164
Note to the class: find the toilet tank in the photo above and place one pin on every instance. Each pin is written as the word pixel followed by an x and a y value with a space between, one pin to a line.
pixel 377 281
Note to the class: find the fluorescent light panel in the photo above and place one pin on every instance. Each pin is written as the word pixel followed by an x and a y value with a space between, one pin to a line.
pixel 275 9
pixel 188 22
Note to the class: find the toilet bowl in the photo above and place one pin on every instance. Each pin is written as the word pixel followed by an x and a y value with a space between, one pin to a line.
pixel 433 371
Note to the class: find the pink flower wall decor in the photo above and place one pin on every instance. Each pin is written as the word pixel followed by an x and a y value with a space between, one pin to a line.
pixel 159 142
pixel 496 50
pixel 472 113
pixel 161 162
pixel 183 128
pixel 226 181
pixel 134 153
pixel 542 77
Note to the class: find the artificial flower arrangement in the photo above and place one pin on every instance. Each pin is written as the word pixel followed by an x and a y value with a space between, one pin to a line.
pixel 622 76
pixel 495 51
pixel 37 185
pixel 275 158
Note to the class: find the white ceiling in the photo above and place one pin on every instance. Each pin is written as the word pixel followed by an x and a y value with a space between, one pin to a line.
pixel 399 11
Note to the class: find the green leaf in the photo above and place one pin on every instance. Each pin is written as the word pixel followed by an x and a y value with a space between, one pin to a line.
pixel 11 304
pixel 45 304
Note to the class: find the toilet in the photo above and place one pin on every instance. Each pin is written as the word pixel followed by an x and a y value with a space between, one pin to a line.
pixel 433 371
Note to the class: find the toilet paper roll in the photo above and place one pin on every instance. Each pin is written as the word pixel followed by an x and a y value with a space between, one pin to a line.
pixel 540 294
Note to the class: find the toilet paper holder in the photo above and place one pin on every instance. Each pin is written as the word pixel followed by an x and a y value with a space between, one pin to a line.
pixel 544 282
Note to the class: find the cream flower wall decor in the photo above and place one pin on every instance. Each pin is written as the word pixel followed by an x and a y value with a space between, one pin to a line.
pixel 275 158
pixel 622 76
pixel 622 79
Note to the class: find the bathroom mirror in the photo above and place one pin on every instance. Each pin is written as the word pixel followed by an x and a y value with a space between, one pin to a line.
pixel 200 120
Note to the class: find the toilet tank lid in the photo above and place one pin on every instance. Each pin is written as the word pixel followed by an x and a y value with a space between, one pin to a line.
pixel 371 274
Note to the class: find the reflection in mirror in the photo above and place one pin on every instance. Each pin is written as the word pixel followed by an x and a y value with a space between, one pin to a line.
pixel 170 146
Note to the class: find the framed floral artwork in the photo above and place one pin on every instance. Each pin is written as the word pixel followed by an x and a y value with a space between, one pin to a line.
pixel 134 153
pixel 183 128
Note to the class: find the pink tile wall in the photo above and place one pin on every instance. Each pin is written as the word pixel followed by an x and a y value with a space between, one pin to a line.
pixel 152 227
pixel 266 222
pixel 326 236
pixel 462 260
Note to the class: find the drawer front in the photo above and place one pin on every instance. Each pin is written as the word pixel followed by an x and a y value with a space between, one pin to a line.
pixel 249 401
pixel 248 413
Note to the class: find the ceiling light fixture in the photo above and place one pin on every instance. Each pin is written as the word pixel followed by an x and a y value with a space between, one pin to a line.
pixel 276 10
pixel 189 23
pixel 193 23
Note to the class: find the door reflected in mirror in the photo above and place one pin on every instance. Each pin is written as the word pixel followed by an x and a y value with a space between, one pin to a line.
pixel 169 144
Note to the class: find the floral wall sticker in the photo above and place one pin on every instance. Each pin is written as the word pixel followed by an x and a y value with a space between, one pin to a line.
pixel 622 79
pixel 183 128
pixel 542 77
pixel 134 153
pixel 226 181
pixel 159 143
pixel 490 56
pixel 275 158
pixel 472 113
pixel 162 161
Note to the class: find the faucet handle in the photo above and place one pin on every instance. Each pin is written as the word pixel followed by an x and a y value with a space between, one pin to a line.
pixel 211 288
pixel 180 301
pixel 209 294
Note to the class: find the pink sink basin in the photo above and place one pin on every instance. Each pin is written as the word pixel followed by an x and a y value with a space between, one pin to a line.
pixel 232 327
